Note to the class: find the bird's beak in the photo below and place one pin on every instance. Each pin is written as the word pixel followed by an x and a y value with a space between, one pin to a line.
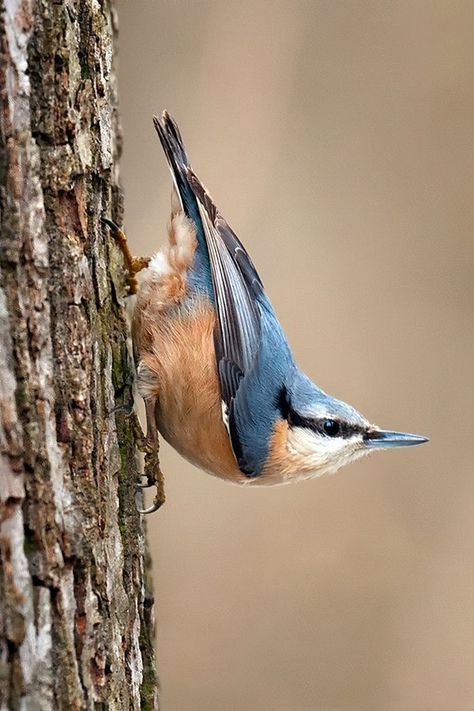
pixel 383 439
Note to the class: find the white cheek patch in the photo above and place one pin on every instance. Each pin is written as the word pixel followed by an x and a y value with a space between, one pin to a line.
pixel 302 441
pixel 320 454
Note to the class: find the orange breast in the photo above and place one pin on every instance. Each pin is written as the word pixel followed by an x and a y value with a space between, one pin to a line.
pixel 180 355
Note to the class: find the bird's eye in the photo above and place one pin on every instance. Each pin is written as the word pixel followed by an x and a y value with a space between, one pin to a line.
pixel 331 427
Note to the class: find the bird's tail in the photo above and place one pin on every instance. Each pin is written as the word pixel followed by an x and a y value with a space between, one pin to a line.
pixel 178 161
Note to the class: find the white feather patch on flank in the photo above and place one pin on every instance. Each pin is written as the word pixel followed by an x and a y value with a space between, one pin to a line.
pixel 179 253
pixel 160 263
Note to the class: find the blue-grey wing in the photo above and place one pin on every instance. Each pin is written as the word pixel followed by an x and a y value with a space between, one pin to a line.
pixel 236 290
pixel 252 353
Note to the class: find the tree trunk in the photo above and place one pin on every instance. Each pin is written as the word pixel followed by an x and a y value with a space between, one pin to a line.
pixel 76 612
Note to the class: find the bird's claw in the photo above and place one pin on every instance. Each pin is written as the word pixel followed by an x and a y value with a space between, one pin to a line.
pixel 154 477
pixel 157 502
pixel 124 408
pixel 151 509
pixel 140 485
pixel 110 223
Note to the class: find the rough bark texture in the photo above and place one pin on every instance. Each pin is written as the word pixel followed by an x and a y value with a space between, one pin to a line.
pixel 76 616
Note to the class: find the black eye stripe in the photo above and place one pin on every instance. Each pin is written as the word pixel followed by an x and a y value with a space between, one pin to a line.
pixel 296 420
pixel 321 426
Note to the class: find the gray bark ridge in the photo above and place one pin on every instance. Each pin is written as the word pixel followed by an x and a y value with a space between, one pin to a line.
pixel 76 610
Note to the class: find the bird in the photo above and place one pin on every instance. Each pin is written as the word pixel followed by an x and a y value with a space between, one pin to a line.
pixel 214 367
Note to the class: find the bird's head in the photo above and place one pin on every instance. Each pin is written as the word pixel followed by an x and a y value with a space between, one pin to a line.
pixel 324 433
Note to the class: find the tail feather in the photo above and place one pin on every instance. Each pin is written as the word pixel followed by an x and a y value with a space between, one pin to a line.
pixel 178 161
pixel 171 140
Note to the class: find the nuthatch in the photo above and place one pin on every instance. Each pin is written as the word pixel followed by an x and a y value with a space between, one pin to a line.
pixel 214 367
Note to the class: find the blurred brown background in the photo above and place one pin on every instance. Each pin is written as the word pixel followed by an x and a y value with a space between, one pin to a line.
pixel 337 138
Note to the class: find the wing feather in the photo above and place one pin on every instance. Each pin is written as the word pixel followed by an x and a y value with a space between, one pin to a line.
pixel 236 287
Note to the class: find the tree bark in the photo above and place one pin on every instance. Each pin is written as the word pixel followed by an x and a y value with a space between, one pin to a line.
pixel 76 611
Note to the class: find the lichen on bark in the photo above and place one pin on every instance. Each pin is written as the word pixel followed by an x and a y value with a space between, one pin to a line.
pixel 76 616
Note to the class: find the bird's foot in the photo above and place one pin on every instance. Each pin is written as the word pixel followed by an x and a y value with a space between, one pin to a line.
pixel 154 477
pixel 132 264
pixel 152 470
pixel 151 449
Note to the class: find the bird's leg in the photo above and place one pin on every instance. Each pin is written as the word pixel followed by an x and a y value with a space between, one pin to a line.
pixel 132 264
pixel 150 446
